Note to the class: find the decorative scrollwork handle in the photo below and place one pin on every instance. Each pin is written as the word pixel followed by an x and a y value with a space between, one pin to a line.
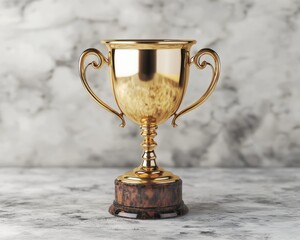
pixel 96 65
pixel 215 77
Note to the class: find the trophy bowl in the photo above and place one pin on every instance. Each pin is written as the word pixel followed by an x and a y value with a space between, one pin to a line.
pixel 149 79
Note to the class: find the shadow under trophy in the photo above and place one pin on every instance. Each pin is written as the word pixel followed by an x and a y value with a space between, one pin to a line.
pixel 149 79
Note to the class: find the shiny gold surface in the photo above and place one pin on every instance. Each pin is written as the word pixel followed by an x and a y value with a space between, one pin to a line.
pixel 149 79
pixel 148 44
pixel 149 83
pixel 164 177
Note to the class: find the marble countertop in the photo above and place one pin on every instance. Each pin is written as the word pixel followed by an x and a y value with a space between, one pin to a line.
pixel 72 203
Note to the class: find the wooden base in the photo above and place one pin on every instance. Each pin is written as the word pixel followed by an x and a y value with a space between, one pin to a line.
pixel 148 200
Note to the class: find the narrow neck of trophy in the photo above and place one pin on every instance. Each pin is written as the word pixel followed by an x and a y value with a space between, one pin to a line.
pixel 148 132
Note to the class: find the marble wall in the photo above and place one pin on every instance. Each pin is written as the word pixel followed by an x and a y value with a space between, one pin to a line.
pixel 251 120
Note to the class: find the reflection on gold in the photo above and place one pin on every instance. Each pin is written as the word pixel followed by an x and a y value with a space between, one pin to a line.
pixel 149 83
pixel 158 98
pixel 128 59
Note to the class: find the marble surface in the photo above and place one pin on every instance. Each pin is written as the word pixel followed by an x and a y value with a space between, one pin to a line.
pixel 72 203
pixel 251 120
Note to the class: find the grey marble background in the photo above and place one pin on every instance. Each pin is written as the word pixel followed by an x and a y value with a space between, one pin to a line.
pixel 252 118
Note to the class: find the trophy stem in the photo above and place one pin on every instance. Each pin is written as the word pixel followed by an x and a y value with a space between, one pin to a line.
pixel 148 167
pixel 148 131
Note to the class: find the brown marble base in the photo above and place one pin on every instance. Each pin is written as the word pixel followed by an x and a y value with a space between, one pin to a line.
pixel 148 200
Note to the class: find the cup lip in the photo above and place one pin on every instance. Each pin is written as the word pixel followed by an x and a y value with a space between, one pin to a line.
pixel 148 43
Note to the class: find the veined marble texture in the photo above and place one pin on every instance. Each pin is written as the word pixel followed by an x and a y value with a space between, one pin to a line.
pixel 224 204
pixel 251 120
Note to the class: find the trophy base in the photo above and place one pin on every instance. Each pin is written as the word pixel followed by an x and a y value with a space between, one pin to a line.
pixel 148 213
pixel 148 200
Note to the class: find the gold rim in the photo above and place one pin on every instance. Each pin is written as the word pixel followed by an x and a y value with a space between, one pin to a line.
pixel 148 43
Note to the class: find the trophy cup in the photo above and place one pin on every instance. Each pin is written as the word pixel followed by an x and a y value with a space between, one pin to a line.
pixel 149 79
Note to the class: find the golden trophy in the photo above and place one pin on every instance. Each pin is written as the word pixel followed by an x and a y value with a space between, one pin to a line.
pixel 149 79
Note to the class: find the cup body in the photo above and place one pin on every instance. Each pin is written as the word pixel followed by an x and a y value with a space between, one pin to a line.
pixel 149 78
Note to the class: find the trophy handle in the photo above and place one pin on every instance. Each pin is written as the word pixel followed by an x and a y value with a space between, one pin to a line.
pixel 214 80
pixel 96 65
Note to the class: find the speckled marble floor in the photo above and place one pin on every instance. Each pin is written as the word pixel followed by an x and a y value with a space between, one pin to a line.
pixel 57 203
